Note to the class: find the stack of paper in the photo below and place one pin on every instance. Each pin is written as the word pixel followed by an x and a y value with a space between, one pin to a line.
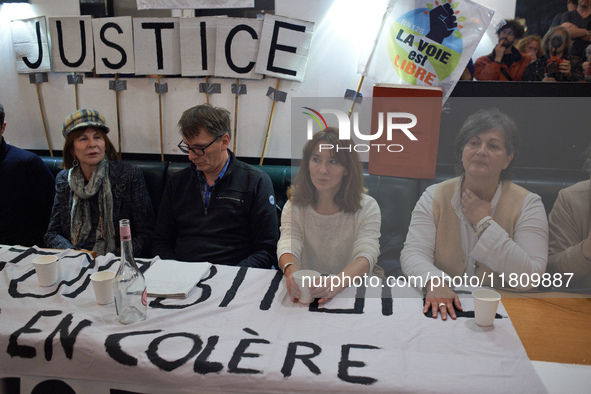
pixel 170 278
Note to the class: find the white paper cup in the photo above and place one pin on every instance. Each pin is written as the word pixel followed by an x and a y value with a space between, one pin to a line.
pixel 485 306
pixel 304 278
pixel 46 268
pixel 103 286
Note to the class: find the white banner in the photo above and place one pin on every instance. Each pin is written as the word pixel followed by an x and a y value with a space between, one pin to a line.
pixel 71 43
pixel 426 43
pixel 113 45
pixel 239 331
pixel 31 45
pixel 186 4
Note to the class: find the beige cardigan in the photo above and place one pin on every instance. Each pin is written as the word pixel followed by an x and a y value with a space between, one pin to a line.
pixel 449 256
pixel 569 225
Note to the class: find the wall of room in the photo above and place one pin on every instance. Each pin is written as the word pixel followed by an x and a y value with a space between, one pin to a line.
pixel 342 31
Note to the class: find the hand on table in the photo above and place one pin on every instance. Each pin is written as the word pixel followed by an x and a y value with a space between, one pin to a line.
pixel 292 288
pixel 442 299
pixel 322 292
pixel 325 293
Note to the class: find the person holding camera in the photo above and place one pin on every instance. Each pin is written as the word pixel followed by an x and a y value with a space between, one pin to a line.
pixel 505 63
pixel 557 65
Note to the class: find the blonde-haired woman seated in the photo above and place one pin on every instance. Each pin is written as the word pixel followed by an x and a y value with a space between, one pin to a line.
pixel 329 224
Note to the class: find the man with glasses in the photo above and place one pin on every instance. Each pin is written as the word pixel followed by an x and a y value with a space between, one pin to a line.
pixel 218 209
pixel 505 63
pixel 578 24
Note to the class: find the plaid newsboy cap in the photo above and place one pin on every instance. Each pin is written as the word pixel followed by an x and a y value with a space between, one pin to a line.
pixel 84 118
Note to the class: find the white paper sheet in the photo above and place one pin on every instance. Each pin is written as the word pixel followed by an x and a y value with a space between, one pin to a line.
pixel 170 278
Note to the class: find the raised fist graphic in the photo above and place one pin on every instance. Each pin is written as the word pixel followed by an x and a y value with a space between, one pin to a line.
pixel 442 21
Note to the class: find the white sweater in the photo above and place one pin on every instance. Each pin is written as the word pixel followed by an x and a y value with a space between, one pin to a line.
pixel 328 243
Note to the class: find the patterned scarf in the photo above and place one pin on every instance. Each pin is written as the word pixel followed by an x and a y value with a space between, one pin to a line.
pixel 81 223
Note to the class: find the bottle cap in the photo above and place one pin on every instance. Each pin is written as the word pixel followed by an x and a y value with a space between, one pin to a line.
pixel 124 229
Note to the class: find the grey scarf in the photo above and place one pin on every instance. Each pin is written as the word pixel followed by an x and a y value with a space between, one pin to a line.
pixel 81 223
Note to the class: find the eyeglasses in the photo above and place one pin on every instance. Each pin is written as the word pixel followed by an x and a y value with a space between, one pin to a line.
pixel 197 151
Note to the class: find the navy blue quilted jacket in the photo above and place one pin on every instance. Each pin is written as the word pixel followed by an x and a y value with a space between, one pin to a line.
pixel 130 201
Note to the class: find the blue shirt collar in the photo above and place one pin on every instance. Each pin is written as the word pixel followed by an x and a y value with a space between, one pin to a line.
pixel 202 178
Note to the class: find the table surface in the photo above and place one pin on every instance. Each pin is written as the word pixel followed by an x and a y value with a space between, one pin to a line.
pixel 553 329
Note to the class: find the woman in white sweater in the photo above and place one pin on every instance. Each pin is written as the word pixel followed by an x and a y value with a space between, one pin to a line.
pixel 329 224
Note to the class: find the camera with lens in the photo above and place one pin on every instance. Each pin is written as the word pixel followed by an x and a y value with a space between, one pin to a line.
pixel 552 65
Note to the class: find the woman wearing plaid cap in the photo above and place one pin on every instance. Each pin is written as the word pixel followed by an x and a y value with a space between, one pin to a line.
pixel 95 191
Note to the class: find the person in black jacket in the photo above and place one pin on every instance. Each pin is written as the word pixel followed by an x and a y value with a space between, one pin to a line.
pixel 95 191
pixel 218 209
pixel 27 187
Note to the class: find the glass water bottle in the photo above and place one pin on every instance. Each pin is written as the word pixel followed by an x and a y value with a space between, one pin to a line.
pixel 129 285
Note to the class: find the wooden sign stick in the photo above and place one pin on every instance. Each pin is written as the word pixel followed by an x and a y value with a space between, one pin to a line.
pixel 269 125
pixel 236 113
pixel 76 93
pixel 356 93
pixel 43 118
pixel 161 127
pixel 118 114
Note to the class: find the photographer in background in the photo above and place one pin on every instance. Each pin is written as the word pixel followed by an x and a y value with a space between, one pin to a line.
pixel 505 63
pixel 557 64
